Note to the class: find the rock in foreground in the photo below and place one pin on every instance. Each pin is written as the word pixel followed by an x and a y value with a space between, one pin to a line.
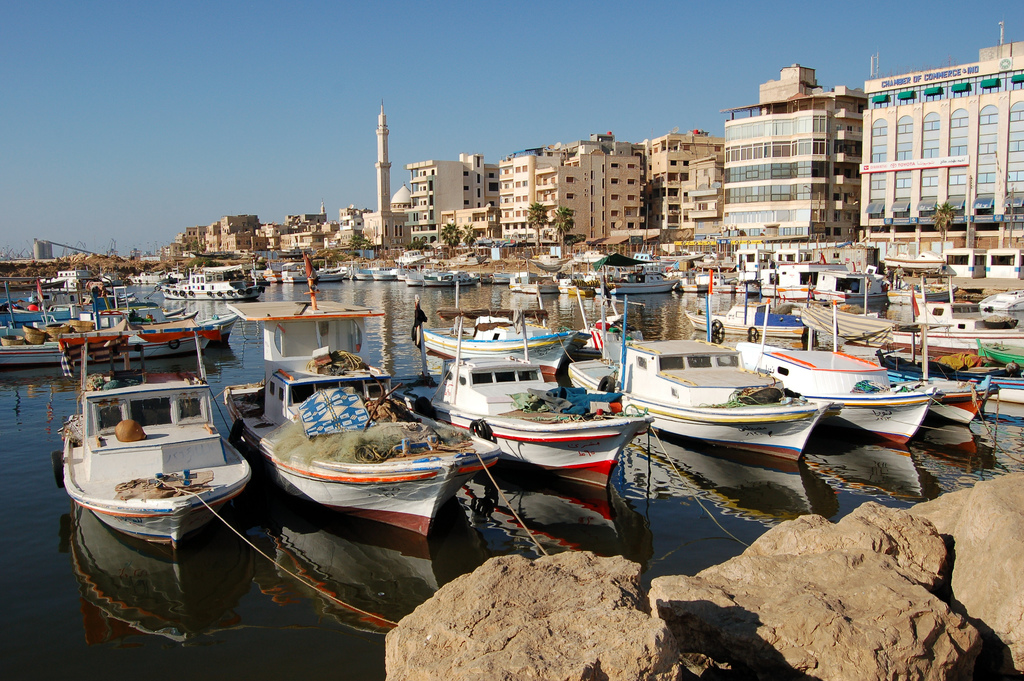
pixel 568 616
pixel 986 524
pixel 830 602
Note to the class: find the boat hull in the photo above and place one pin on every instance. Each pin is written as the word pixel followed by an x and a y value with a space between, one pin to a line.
pixel 547 350
pixel 889 417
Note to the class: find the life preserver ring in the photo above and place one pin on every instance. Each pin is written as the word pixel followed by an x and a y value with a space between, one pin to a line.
pixel 717 332
pixel 753 334
pixel 174 343
pixel 607 384
pixel 481 429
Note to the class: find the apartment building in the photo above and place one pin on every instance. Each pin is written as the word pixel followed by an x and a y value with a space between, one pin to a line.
pixel 951 134
pixel 792 161
pixel 600 180
pixel 684 189
pixel 442 187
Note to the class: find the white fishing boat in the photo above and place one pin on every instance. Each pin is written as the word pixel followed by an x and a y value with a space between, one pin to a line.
pixel 749 321
pixel 495 333
pixel 69 280
pixel 332 274
pixel 574 433
pixel 1007 301
pixel 796 281
pixel 446 279
pixel 143 453
pixel 957 327
pixel 410 258
pixel 700 391
pixel 927 261
pixel 323 425
pixel 385 274
pixel 639 283
pixel 869 403
pixel 149 278
pixel 294 273
pixel 852 287
pixel 226 283
pixel 529 283
pixel 901 295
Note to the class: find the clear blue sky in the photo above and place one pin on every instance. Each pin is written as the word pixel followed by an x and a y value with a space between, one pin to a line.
pixel 130 121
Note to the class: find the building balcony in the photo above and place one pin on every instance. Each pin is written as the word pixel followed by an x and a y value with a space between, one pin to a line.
pixel 702 214
pixel 849 113
pixel 848 158
pixel 705 191
pixel 845 134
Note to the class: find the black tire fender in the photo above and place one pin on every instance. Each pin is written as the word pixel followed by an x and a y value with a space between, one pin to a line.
pixel 753 334
pixel 57 461
pixel 174 344
pixel 482 430
pixel 607 384
pixel 717 332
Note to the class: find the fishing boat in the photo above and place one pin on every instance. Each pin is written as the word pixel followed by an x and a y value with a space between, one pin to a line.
pixel 213 283
pixel 149 278
pixel 143 453
pixel 574 433
pixel 325 430
pixel 700 391
pixel 749 321
pixel 927 261
pixel 1007 301
pixel 1010 388
pixel 495 333
pixel 957 401
pixel 527 282
pixel 441 279
pixel 385 274
pixel 1002 352
pixel 956 327
pixel 861 387
pixel 639 283
pixel 410 258
pixel 796 281
pixel 294 273
pixel 332 274
pixel 852 287
pixel 932 293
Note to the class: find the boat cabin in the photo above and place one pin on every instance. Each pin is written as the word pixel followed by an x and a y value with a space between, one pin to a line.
pixel 813 372
pixel 686 373
pixel 297 346
pixel 485 385
pixel 176 415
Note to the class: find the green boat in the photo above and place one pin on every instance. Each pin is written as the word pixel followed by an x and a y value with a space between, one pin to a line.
pixel 1002 353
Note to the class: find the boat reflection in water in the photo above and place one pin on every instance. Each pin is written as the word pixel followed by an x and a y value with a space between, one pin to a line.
pixel 368 575
pixel 739 483
pixel 131 586
pixel 561 515
pixel 867 467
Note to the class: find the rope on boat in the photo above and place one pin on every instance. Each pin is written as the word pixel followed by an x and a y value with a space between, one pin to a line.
pixel 304 580
pixel 508 504
pixel 695 496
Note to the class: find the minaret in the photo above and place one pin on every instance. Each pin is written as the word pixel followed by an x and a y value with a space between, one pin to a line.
pixel 383 165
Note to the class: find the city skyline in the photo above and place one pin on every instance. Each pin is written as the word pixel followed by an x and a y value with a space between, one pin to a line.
pixel 131 123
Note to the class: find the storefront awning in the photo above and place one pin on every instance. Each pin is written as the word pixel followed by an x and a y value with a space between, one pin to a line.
pixel 901 206
pixel 1014 201
pixel 621 239
pixel 876 208
pixel 932 91
pixel 961 87
pixel 926 205
pixel 1019 78
pixel 905 95
pixel 990 83
pixel 958 202
pixel 879 99
pixel 984 202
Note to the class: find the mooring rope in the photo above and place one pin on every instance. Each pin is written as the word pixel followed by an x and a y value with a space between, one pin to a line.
pixel 508 504
pixel 302 579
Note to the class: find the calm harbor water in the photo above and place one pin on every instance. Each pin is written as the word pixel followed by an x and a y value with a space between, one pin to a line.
pixel 87 602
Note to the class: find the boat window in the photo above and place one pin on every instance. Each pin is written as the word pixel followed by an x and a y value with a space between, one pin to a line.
pixel 782 371
pixel 530 375
pixel 301 393
pixel 483 378
pixel 108 415
pixel 698 361
pixel 190 407
pixel 671 363
pixel 504 376
pixel 728 360
pixel 152 411
pixel 642 362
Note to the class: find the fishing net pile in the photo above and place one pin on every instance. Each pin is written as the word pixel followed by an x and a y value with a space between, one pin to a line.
pixel 378 443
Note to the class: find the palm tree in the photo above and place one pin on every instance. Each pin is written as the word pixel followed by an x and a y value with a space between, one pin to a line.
pixel 451 235
pixel 537 218
pixel 944 215
pixel 564 223
pixel 418 244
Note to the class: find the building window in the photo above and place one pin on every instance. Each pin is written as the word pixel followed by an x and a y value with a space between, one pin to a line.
pixel 1015 156
pixel 988 124
pixel 905 139
pixel 958 126
pixel 879 142
pixel 930 139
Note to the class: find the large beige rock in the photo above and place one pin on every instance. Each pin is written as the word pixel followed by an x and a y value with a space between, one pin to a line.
pixel 986 523
pixel 834 615
pixel 568 616
pixel 916 548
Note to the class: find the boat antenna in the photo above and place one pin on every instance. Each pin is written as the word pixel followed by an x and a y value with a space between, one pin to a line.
pixel 310 281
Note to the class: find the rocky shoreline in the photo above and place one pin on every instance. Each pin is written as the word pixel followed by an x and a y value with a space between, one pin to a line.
pixel 932 592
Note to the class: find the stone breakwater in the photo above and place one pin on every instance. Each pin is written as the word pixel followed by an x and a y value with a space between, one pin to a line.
pixel 933 592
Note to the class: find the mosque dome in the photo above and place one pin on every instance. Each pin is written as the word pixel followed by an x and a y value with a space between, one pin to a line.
pixel 403 197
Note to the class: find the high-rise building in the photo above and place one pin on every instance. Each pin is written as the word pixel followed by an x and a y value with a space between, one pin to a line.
pixel 446 186
pixel 683 194
pixel 951 134
pixel 792 161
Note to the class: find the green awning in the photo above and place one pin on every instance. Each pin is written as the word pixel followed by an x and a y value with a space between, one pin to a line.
pixel 878 99
pixel 617 260
pixel 1019 78
pixel 906 94
pixel 990 83
pixel 932 91
pixel 961 87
